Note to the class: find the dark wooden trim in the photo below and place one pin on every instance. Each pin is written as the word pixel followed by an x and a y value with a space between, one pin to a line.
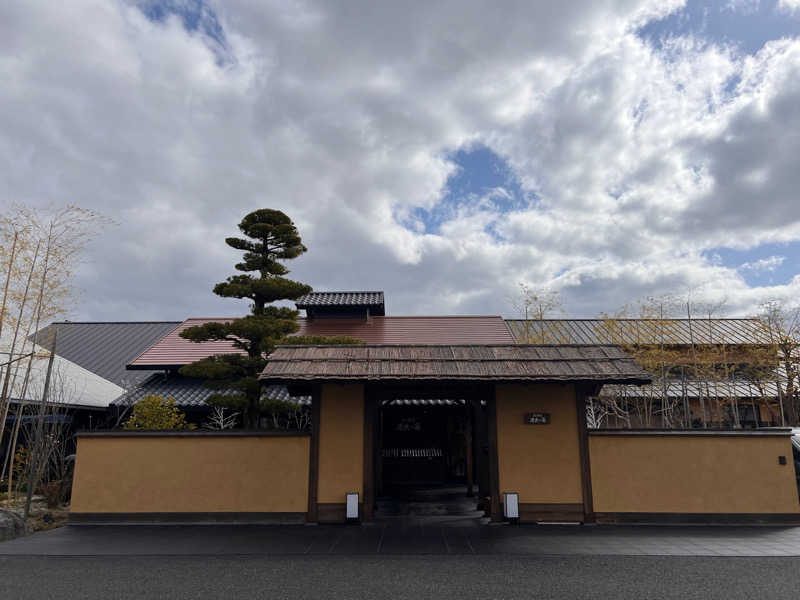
pixel 764 432
pixel 469 448
pixel 481 449
pixel 581 393
pixel 335 512
pixel 173 433
pixel 378 448
pixel 296 380
pixel 537 512
pixel 273 518
pixel 495 508
pixel 368 499
pixel 313 455
pixel 699 518
pixel 430 389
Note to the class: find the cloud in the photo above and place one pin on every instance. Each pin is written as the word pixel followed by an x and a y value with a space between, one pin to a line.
pixel 348 116
pixel 763 264
pixel 789 6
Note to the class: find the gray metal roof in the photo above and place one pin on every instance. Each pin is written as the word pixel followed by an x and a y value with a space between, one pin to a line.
pixel 190 391
pixel 675 388
pixel 105 348
pixel 638 331
pixel 474 363
pixel 340 299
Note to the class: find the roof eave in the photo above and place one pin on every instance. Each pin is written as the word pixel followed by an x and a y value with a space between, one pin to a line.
pixel 292 379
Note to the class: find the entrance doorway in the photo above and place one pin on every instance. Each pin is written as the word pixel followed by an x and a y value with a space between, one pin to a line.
pixel 429 459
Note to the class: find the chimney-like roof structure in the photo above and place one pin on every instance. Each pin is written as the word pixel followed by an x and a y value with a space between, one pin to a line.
pixel 335 303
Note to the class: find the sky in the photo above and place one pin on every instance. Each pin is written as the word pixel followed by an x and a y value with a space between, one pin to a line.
pixel 443 152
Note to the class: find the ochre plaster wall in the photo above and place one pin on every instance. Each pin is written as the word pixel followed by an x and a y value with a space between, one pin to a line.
pixel 540 462
pixel 341 442
pixel 191 474
pixel 692 474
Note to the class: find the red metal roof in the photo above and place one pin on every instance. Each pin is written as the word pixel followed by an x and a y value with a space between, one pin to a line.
pixel 174 351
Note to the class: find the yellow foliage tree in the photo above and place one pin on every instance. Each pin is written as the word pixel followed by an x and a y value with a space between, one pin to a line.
pixel 155 412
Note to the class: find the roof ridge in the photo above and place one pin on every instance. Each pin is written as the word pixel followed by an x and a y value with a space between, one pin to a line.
pixel 454 345
pixel 645 319
pixel 375 317
pixel 111 322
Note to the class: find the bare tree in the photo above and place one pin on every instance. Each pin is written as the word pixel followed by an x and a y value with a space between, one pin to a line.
pixel 46 246
pixel 781 323
pixel 219 420
pixel 650 334
pixel 534 305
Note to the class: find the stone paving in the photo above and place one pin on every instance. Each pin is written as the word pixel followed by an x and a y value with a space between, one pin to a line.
pixel 408 537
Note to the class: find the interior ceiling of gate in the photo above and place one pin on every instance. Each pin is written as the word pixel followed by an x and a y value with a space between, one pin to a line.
pixel 423 402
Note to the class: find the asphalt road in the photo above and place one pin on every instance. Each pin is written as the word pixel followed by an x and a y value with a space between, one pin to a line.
pixel 403 538
pixel 373 577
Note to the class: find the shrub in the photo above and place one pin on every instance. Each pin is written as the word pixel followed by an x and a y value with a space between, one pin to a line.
pixel 53 493
pixel 155 412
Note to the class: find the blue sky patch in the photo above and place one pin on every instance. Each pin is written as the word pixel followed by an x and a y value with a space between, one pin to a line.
pixel 746 25
pixel 483 179
pixel 765 265
pixel 196 16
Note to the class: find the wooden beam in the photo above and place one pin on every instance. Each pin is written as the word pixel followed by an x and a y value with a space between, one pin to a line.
pixel 582 391
pixel 495 510
pixel 313 459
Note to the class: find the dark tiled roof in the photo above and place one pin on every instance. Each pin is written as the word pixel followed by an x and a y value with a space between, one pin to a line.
pixel 190 391
pixel 508 362
pixel 173 351
pixel 105 348
pixel 340 299
pixel 638 331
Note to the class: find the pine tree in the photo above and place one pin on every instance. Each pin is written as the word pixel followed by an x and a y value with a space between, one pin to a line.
pixel 272 238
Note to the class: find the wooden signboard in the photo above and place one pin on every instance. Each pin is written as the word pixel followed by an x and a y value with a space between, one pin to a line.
pixel 537 418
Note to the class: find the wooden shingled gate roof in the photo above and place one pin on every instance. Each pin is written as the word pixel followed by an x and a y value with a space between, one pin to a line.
pixel 466 363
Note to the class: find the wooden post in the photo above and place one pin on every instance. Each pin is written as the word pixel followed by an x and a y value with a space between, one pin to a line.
pixel 581 392
pixel 495 510
pixel 313 459
pixel 468 446
pixel 378 446
pixel 369 454
pixel 481 448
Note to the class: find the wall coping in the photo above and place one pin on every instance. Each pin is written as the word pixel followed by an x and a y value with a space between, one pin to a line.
pixel 198 434
pixel 763 432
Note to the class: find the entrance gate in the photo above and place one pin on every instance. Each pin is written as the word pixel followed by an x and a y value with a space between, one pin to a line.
pixel 425 462
pixel 430 453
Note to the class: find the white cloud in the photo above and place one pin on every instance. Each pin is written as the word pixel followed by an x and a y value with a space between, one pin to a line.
pixel 643 159
pixel 763 264
pixel 790 6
